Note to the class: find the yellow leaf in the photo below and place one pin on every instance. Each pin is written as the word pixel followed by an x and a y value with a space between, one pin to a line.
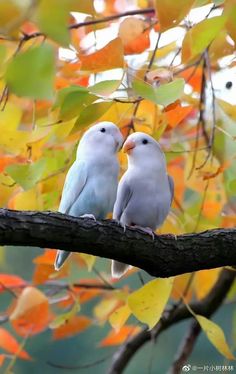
pixel 12 140
pixel 104 308
pixel 148 303
pixel 28 200
pixel 89 260
pixel 228 108
pixel 119 317
pixel 163 51
pixel 216 336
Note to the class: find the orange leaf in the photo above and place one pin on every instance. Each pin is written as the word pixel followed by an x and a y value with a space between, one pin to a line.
pixel 70 68
pixel 212 208
pixel 32 312
pixel 10 344
pixel 72 327
pixel 177 115
pixel 109 57
pixel 118 337
pixel 180 286
pixel 11 281
pixel 134 36
pixel 6 160
pixel 139 44
pixel 28 28
pixel 45 267
pixel 193 77
pixel 42 273
pixel 221 169
pixel 176 170
pixel 170 12
pixel 48 257
pixel 204 280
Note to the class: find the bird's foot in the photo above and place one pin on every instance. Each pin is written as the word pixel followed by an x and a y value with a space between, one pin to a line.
pixel 121 224
pixel 147 230
pixel 88 216
pixel 172 236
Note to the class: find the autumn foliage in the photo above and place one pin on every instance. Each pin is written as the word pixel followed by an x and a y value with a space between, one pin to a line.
pixel 58 76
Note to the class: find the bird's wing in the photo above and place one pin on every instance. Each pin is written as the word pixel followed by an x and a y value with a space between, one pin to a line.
pixel 74 184
pixel 172 186
pixel 124 194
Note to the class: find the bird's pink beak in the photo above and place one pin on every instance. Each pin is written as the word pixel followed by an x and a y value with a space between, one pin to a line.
pixel 128 146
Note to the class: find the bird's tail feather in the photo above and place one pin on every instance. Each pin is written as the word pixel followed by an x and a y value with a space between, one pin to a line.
pixel 60 259
pixel 118 269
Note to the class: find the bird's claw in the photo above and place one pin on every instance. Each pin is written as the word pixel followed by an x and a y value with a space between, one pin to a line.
pixel 173 236
pixel 88 216
pixel 146 230
pixel 121 224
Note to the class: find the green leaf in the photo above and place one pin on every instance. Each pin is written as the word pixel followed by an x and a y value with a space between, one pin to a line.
pixel 148 303
pixel 163 95
pixel 53 19
pixel 91 114
pixel 61 94
pixel 27 175
pixel 31 73
pixel 74 103
pixel 200 36
pixel 105 88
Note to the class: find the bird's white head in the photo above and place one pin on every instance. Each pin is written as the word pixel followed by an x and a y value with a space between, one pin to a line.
pixel 143 150
pixel 102 138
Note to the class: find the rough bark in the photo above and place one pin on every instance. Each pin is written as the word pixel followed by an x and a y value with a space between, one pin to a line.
pixel 162 257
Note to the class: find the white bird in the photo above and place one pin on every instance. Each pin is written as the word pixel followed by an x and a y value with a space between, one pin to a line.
pixel 91 183
pixel 145 191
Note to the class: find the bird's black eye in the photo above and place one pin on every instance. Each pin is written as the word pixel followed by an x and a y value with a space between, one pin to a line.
pixel 145 141
pixel 103 130
pixel 228 85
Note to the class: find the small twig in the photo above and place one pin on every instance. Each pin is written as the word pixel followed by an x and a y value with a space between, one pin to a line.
pixel 112 18
pixel 60 284
pixel 77 367
pixel 9 290
pixel 132 127
pixel 185 348
pixel 127 101
pixel 212 137
pixel 141 278
pixel 202 205
pixel 103 279
pixel 201 120
pixel 188 150
pixel 152 59
pixel 27 37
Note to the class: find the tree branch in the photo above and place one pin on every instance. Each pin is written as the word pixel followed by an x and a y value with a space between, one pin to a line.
pixel 163 257
pixel 205 307
pixel 186 348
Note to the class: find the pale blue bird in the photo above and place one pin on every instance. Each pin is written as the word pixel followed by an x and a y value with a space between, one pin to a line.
pixel 91 183
pixel 145 191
